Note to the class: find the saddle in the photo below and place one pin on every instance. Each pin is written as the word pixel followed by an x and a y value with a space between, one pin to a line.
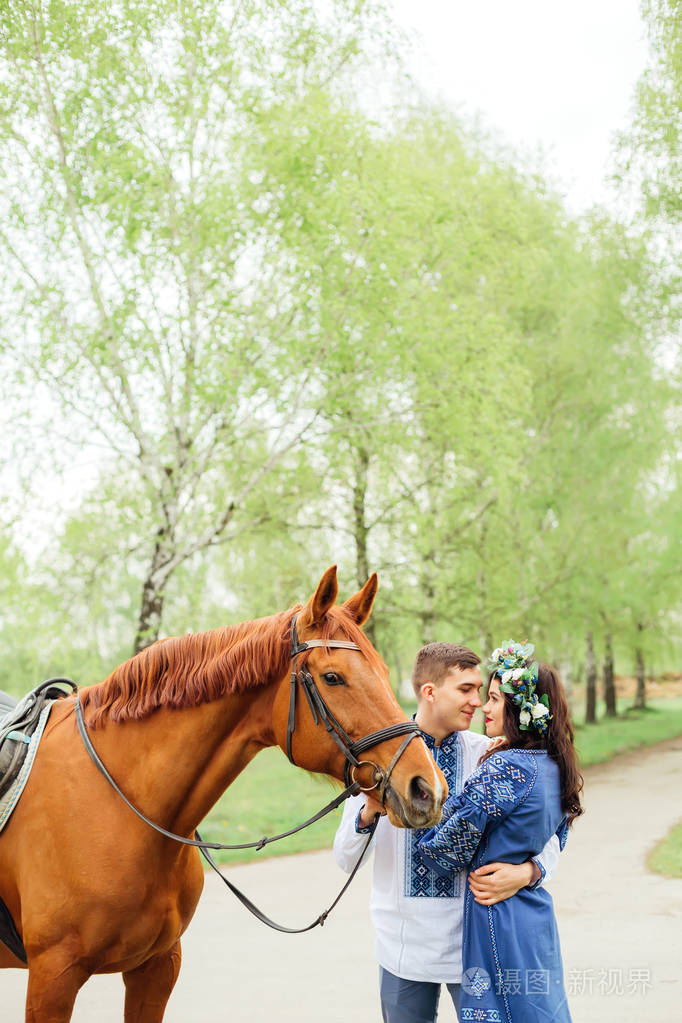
pixel 18 722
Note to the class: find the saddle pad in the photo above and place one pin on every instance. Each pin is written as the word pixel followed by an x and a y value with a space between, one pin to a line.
pixel 11 797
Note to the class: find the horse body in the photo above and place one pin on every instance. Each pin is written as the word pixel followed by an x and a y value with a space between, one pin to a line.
pixel 91 888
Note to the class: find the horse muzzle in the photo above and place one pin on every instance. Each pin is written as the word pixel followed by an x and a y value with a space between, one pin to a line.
pixel 420 807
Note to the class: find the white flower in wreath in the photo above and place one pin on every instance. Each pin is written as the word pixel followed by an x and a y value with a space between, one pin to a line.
pixel 518 673
pixel 524 717
pixel 539 711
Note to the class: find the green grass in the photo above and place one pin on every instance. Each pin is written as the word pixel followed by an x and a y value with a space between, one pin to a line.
pixel 630 730
pixel 272 796
pixel 667 856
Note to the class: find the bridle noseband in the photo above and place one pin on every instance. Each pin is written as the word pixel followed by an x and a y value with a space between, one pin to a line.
pixel 350 748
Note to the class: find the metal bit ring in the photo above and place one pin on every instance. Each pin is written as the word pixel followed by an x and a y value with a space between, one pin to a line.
pixel 363 763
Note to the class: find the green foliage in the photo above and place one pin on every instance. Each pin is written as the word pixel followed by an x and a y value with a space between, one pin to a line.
pixel 653 146
pixel 649 152
pixel 169 319
pixel 288 335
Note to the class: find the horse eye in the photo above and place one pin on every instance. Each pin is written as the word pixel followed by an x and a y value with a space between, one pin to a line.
pixel 333 679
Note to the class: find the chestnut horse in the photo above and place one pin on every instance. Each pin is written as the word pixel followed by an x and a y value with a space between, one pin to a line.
pixel 91 888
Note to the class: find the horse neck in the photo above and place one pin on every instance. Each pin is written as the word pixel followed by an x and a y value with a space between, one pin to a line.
pixel 176 761
pixel 209 747
pixel 176 764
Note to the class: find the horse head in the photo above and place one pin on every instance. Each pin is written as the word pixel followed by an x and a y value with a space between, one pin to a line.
pixel 346 698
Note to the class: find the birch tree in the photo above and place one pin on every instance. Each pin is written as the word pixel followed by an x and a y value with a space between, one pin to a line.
pixel 149 286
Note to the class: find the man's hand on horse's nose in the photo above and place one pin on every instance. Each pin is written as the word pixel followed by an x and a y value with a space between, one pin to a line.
pixel 369 811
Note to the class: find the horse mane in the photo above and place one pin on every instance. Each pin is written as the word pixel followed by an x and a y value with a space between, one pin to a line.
pixel 185 671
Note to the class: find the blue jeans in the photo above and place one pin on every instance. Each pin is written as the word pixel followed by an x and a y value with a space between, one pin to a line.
pixel 411 1001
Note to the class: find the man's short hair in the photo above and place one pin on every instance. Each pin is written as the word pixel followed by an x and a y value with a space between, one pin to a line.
pixel 435 660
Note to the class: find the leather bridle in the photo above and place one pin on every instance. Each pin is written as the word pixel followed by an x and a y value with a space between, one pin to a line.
pixel 321 713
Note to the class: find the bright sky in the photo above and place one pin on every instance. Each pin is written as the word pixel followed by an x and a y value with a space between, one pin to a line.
pixel 548 75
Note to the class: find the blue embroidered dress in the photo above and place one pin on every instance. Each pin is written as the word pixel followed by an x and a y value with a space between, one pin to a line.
pixel 508 809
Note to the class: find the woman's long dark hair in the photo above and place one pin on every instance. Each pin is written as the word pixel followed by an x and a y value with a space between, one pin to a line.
pixel 559 741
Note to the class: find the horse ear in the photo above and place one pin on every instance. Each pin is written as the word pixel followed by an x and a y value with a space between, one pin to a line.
pixel 323 598
pixel 360 606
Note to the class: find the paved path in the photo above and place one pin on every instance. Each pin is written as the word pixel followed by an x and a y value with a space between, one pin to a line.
pixel 620 926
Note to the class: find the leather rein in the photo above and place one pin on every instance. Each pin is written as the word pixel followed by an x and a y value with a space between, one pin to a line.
pixel 349 747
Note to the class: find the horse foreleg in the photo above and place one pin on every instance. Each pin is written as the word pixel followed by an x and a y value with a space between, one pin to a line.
pixel 148 988
pixel 52 988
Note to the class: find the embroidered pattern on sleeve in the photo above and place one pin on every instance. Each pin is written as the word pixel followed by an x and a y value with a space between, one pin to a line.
pixel 497 786
pixel 452 847
pixel 419 880
pixel 494 788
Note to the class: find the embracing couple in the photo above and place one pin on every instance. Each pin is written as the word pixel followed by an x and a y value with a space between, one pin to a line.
pixel 463 904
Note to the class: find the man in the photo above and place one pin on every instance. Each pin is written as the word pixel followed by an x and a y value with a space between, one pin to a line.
pixel 417 914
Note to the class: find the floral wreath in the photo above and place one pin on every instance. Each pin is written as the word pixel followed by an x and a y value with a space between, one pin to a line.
pixel 519 679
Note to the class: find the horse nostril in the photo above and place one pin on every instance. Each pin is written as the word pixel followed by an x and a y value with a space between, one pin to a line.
pixel 420 792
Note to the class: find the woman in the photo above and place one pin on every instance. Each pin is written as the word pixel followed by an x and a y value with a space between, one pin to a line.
pixel 526 788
